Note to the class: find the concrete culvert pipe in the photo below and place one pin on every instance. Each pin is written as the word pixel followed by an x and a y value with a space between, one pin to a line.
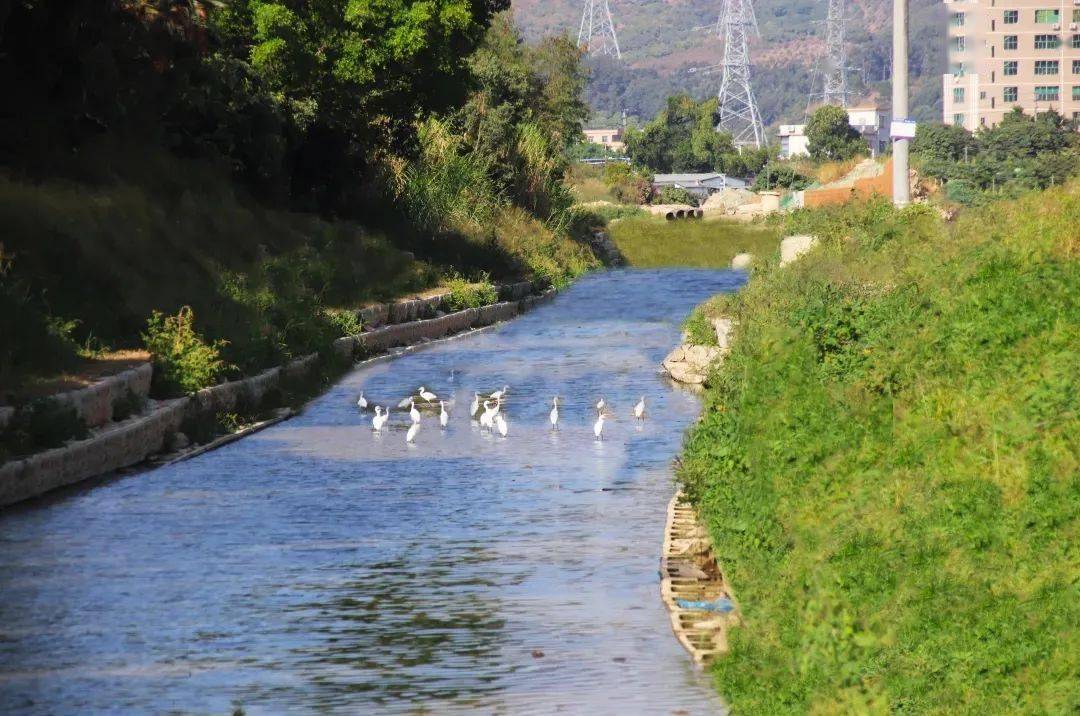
pixel 680 214
pixel 670 216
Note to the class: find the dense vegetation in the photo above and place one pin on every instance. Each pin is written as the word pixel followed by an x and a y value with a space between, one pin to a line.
pixel 650 241
pixel 266 163
pixel 888 462
pixel 1020 153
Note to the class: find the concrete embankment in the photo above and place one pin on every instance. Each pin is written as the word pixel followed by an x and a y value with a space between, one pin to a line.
pixel 116 445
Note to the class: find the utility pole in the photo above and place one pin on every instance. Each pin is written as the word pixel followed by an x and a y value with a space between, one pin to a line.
pixel 597 31
pixel 901 188
pixel 738 109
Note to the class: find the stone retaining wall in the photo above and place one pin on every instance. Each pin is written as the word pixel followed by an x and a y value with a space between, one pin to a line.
pixel 132 441
pixel 94 403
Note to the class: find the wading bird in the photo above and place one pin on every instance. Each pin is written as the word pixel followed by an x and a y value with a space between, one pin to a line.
pixel 380 418
pixel 405 402
pixel 498 394
pixel 639 409
pixel 500 423
pixel 598 426
pixel 427 395
pixel 475 405
pixel 600 404
pixel 444 417
pixel 414 414
pixel 413 430
pixel 487 415
pixel 554 414
pixel 361 402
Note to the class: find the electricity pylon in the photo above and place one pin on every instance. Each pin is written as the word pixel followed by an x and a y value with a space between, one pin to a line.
pixel 597 33
pixel 835 70
pixel 738 109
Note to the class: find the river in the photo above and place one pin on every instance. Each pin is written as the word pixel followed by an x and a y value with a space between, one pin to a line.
pixel 317 566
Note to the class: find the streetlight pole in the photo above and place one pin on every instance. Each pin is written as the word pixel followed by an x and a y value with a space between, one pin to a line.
pixel 901 188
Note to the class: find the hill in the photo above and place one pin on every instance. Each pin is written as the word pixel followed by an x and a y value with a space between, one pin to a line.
pixel 662 40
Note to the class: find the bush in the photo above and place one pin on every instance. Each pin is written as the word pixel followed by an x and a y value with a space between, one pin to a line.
pixel 675 195
pixel 627 184
pixel 466 294
pixel 346 323
pixel 41 425
pixel 780 176
pixel 699 330
pixel 183 361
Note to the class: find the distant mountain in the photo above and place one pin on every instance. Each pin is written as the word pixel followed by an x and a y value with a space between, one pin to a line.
pixel 662 40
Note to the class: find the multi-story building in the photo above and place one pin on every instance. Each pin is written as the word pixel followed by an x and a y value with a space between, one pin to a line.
pixel 870 121
pixel 1011 53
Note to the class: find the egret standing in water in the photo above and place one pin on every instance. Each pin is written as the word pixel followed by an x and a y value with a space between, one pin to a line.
pixel 380 419
pixel 487 415
pixel 361 402
pixel 414 414
pixel 553 416
pixel 413 430
pixel 598 426
pixel 444 417
pixel 639 409
pixel 427 395
pixel 498 394
pixel 500 423
pixel 475 405
pixel 600 404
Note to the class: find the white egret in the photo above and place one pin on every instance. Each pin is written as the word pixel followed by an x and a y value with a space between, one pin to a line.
pixel 639 409
pixel 554 414
pixel 451 378
pixel 487 415
pixel 413 430
pixel 498 394
pixel 405 402
pixel 600 404
pixel 427 395
pixel 498 407
pixel 414 414
pixel 361 402
pixel 444 417
pixel 475 404
pixel 380 418
pixel 500 423
pixel 598 427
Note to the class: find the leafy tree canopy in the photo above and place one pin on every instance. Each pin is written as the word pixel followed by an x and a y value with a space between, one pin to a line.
pixel 830 136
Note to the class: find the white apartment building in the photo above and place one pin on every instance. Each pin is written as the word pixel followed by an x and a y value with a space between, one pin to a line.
pixel 1011 53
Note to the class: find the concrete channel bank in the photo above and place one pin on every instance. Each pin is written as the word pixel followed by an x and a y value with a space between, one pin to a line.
pixel 126 443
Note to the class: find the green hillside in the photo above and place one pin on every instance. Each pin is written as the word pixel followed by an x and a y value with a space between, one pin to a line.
pixel 661 41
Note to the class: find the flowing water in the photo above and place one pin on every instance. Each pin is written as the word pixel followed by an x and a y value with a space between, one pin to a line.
pixel 316 566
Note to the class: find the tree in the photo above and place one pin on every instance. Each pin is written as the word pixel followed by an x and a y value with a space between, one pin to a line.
pixel 683 138
pixel 831 136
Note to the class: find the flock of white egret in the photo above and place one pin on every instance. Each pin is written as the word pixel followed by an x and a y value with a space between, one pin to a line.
pixel 492 417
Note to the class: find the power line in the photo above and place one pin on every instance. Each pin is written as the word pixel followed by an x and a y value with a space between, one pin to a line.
pixel 597 32
pixel 738 110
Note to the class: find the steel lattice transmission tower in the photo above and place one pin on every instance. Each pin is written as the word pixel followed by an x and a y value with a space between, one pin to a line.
pixel 738 109
pixel 835 70
pixel 597 32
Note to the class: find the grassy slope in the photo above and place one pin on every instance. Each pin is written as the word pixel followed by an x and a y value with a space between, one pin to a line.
pixel 888 462
pixel 649 241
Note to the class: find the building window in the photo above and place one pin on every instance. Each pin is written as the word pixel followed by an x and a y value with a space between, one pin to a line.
pixel 957 119
pixel 1076 67
pixel 958 95
pixel 1011 94
pixel 1076 93
pixel 1048 17
pixel 1046 67
pixel 1010 67
pixel 957 19
pixel 1011 18
pixel 982 95
pixel 1047 93
pixel 1076 42
pixel 957 44
pixel 1011 42
pixel 957 69
pixel 1076 15
pixel 1047 42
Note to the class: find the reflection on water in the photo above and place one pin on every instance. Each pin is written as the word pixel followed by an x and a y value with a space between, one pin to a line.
pixel 317 565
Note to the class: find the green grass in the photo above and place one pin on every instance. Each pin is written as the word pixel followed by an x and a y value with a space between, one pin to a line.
pixel 889 464
pixel 649 242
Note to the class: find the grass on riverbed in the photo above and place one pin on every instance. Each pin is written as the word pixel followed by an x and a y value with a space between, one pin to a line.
pixel 890 467
pixel 649 242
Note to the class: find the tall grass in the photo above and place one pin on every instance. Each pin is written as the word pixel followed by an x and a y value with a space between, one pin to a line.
pixel 889 464
pixel 649 241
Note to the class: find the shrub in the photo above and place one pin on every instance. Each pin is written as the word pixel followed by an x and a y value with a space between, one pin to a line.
pixel 346 323
pixel 675 195
pixel 699 330
pixel 466 294
pixel 183 361
pixel 42 424
pixel 627 184
pixel 780 176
